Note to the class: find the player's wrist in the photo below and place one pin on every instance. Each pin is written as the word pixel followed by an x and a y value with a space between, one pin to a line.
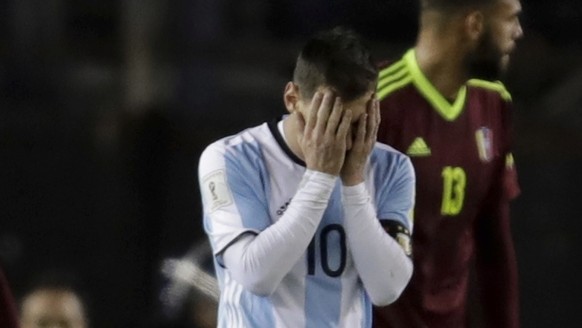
pixel 352 180
pixel 321 178
pixel 315 188
pixel 327 171
pixel 330 167
pixel 355 194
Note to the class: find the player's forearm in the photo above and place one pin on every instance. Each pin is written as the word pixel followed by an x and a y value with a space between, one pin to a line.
pixel 259 262
pixel 383 266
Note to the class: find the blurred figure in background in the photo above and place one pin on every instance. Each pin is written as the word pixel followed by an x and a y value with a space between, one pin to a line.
pixel 8 313
pixel 439 106
pixel 189 297
pixel 53 301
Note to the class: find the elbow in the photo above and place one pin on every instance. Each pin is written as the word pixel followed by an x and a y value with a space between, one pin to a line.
pixel 259 285
pixel 394 286
pixel 260 289
pixel 253 278
pixel 388 297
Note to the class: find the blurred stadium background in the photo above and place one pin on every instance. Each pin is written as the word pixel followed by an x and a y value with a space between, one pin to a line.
pixel 105 106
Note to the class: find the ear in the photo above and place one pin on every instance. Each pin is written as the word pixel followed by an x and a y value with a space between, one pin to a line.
pixel 474 25
pixel 291 96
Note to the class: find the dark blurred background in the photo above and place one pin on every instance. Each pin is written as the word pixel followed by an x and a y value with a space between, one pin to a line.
pixel 105 106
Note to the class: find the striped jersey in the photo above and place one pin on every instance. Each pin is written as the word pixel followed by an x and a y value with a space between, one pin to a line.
pixel 247 181
pixel 461 155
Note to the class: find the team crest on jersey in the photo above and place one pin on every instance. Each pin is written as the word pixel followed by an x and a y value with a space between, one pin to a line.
pixel 484 139
pixel 215 191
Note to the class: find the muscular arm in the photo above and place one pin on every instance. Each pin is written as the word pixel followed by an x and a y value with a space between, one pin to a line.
pixel 382 264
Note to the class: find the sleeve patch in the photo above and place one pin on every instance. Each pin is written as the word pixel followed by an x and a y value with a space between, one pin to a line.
pixel 215 191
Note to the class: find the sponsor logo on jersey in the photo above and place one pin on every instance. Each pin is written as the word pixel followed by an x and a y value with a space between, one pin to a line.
pixel 484 139
pixel 283 207
pixel 418 148
pixel 215 190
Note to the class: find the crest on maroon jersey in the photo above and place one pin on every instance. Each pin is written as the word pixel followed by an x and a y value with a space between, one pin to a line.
pixel 484 139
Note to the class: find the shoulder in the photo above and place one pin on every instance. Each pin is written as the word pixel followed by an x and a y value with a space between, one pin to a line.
pixel 496 88
pixel 384 156
pixel 391 171
pixel 386 150
pixel 242 142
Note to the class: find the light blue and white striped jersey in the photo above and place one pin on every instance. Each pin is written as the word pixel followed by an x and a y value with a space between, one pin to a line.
pixel 247 181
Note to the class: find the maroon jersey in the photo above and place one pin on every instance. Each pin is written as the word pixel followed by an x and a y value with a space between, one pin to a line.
pixel 464 170
pixel 8 318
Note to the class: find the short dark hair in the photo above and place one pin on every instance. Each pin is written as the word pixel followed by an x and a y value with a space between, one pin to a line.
pixel 453 5
pixel 339 59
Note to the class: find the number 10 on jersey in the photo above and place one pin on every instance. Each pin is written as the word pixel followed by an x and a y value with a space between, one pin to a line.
pixel 332 251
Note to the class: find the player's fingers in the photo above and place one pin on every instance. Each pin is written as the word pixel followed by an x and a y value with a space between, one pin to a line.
pixel 300 126
pixel 324 110
pixel 362 128
pixel 373 120
pixel 313 108
pixel 344 126
pixel 335 117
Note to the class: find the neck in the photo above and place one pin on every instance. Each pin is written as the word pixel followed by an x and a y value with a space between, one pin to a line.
pixel 291 131
pixel 440 56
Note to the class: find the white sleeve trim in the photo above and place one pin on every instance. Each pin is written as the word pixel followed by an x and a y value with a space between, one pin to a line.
pixel 382 265
pixel 259 262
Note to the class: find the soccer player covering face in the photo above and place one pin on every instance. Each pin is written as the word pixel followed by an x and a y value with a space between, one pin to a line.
pixel 295 209
pixel 440 105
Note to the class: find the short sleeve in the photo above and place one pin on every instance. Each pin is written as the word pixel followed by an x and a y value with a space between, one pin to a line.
pixel 232 196
pixel 396 191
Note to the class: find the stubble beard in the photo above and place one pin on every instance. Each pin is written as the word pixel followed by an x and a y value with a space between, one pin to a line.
pixel 487 62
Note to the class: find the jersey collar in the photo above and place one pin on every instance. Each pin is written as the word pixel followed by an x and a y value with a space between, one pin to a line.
pixel 281 141
pixel 447 110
